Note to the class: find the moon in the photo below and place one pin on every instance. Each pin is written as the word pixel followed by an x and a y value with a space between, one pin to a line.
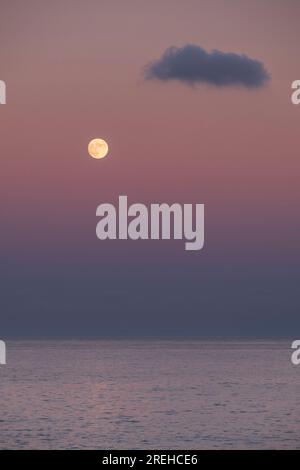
pixel 98 148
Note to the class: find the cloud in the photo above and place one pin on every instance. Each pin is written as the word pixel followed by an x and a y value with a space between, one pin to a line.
pixel 192 64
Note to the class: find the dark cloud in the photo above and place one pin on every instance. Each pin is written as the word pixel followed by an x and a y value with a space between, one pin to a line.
pixel 191 64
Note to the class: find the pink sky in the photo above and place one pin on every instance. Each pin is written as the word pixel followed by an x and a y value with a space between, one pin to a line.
pixel 74 71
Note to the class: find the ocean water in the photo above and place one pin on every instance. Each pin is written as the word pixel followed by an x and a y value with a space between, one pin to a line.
pixel 147 394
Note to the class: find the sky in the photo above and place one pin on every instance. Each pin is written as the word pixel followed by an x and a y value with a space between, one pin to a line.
pixel 76 70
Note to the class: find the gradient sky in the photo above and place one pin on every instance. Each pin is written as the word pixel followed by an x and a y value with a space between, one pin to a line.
pixel 74 71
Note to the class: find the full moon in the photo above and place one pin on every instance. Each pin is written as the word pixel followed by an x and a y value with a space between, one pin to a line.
pixel 98 148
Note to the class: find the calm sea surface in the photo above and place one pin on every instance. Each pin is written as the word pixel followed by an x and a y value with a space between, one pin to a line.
pixel 110 394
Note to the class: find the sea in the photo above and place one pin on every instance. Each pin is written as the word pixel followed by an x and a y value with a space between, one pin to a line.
pixel 149 394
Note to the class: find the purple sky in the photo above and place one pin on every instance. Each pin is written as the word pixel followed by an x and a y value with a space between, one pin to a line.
pixel 74 71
